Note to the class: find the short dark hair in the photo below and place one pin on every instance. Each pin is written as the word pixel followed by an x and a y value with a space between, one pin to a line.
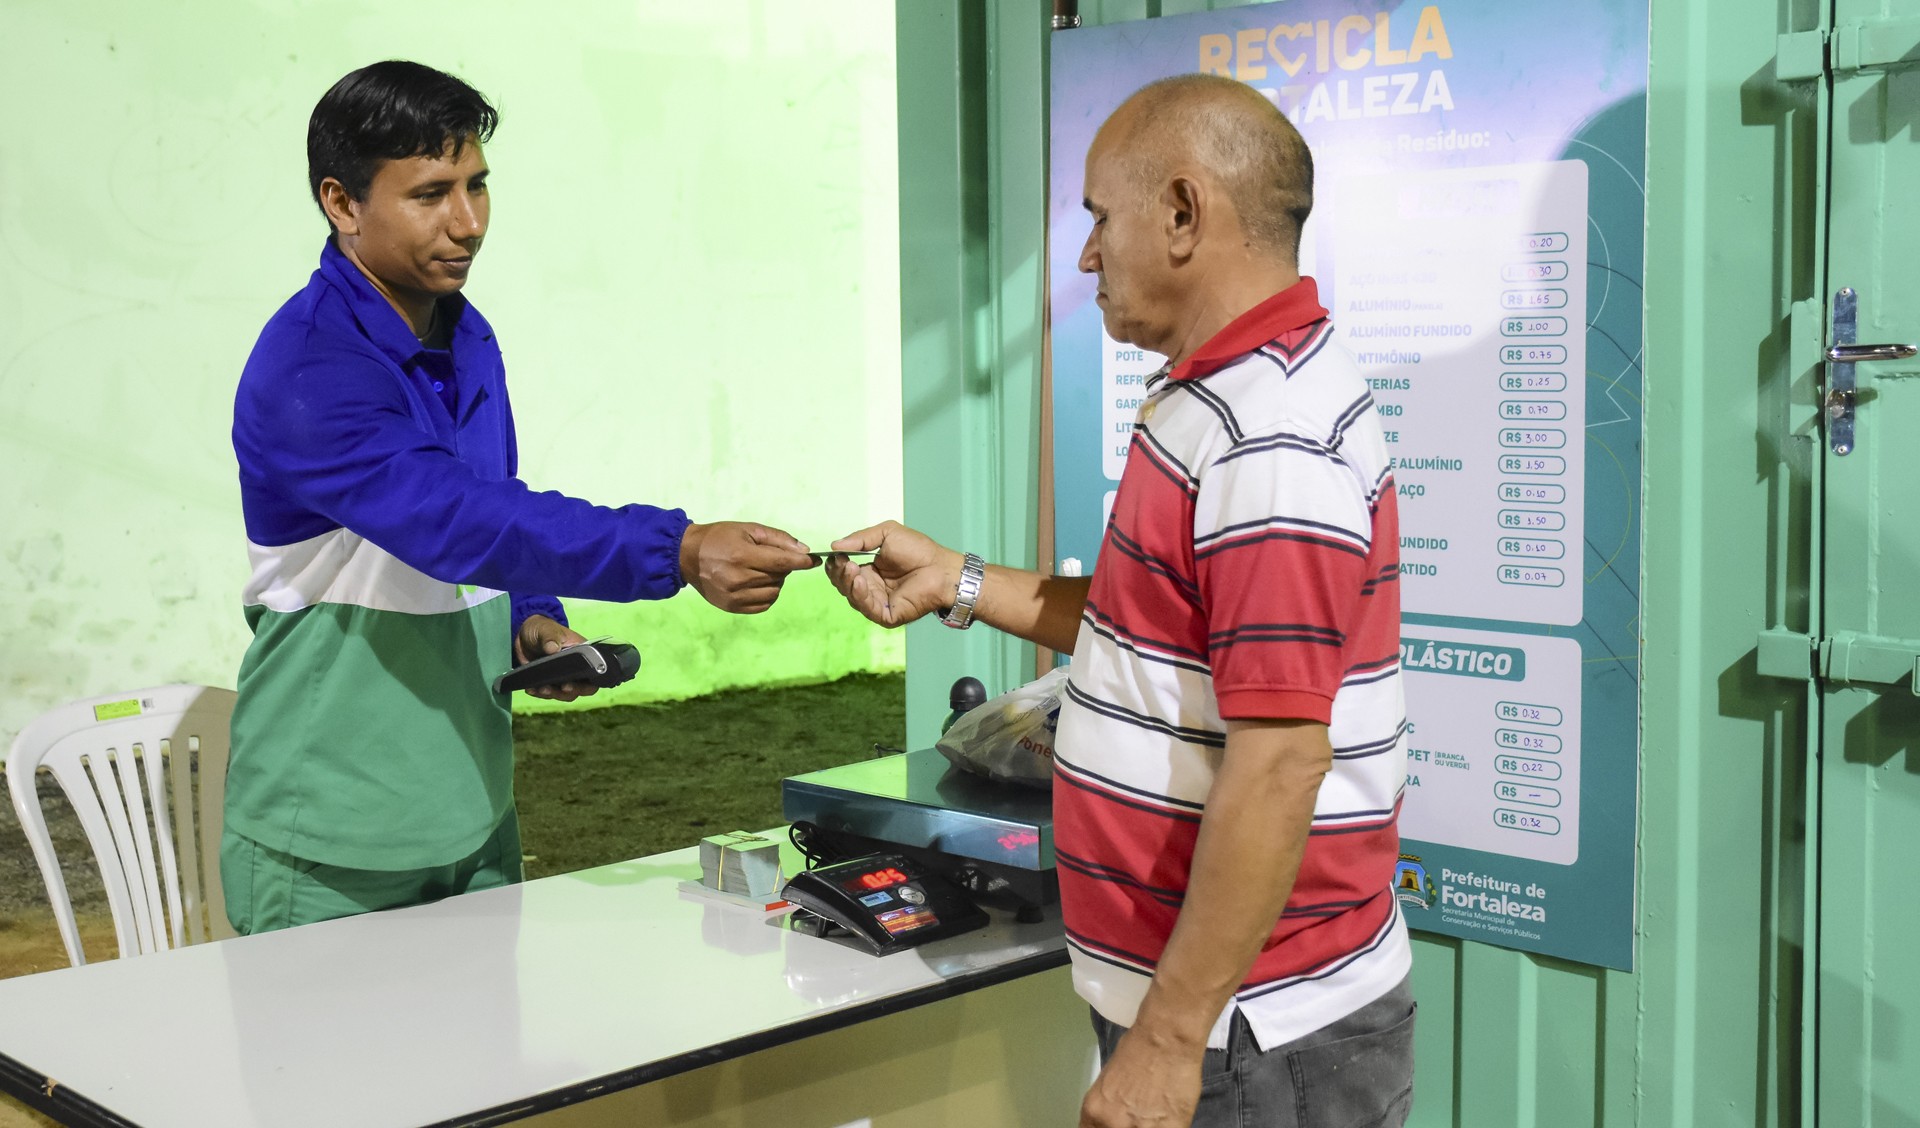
pixel 387 112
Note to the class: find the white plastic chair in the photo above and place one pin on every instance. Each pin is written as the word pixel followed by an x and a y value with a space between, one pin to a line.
pixel 110 756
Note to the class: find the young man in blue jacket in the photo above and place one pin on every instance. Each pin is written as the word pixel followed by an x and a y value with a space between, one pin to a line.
pixel 398 563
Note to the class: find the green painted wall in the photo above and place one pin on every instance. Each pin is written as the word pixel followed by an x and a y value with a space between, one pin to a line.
pixel 693 267
pixel 972 244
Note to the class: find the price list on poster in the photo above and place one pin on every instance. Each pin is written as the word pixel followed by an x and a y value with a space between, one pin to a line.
pixel 1493 758
pixel 1462 294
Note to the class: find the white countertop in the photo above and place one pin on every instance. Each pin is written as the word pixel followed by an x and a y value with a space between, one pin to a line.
pixel 522 998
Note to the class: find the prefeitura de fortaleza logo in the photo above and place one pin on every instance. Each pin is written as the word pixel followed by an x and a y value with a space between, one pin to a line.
pixel 1412 886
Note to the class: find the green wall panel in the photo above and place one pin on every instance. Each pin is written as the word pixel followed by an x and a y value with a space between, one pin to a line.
pixel 693 268
pixel 972 207
pixel 1731 177
pixel 1869 781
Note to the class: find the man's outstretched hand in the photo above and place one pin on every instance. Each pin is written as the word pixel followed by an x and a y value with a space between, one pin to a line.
pixel 738 566
pixel 911 574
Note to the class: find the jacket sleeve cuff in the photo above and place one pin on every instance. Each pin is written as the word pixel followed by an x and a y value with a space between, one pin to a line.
pixel 675 539
pixel 527 606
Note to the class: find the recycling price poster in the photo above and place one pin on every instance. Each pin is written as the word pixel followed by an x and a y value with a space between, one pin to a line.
pixel 1477 237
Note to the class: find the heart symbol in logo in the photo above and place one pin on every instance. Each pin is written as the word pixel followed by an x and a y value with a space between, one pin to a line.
pixel 1296 31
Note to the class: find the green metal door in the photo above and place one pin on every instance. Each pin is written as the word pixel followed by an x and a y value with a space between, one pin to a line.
pixel 1867 990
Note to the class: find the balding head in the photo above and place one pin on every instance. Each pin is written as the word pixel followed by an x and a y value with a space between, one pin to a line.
pixel 1214 126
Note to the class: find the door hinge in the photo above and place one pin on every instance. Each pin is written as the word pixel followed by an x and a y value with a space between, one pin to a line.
pixel 1857 46
pixel 1850 657
pixel 1800 55
pixel 1869 44
pixel 1847 658
pixel 1781 653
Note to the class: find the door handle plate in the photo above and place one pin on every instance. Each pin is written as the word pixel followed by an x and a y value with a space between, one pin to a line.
pixel 1840 385
pixel 1841 398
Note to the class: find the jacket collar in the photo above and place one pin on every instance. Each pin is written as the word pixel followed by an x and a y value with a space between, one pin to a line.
pixel 383 324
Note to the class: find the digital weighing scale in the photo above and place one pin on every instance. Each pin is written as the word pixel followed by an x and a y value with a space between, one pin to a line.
pixel 992 840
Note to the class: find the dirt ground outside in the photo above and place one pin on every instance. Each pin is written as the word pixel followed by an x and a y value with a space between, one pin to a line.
pixel 593 787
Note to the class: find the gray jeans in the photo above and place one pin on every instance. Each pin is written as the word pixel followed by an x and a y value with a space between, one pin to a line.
pixel 1354 1073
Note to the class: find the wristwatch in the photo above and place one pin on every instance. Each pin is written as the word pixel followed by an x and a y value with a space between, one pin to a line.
pixel 973 572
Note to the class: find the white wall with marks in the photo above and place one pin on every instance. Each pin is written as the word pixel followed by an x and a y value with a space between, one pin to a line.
pixel 692 268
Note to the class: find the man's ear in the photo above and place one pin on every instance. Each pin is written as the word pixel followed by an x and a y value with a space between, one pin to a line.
pixel 341 208
pixel 1183 203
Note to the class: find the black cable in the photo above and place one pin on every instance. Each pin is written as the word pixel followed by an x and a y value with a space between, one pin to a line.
pixel 822 847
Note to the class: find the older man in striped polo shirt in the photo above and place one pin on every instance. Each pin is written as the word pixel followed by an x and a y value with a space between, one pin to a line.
pixel 1231 752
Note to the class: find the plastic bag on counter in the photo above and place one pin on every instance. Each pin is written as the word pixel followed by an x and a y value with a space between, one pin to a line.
pixel 1010 738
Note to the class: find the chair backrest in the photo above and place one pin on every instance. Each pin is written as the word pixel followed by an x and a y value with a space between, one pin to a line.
pixel 146 773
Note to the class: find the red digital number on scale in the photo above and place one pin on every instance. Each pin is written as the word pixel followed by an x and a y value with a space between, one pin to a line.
pixel 880 879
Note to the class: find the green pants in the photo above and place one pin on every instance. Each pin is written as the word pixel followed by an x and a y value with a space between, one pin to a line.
pixel 266 889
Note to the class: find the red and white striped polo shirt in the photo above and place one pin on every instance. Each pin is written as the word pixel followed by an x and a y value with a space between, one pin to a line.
pixel 1250 570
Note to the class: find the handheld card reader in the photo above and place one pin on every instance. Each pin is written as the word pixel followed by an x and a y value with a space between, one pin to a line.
pixel 889 901
pixel 603 662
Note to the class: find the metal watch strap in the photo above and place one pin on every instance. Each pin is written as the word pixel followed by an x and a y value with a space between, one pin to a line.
pixel 973 573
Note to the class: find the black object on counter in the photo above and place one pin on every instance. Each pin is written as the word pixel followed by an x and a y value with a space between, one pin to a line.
pixel 967 693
